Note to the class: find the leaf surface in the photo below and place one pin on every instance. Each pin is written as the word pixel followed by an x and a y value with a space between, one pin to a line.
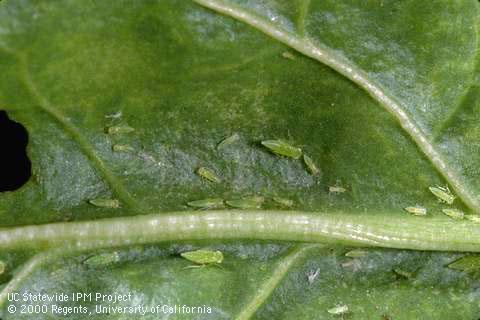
pixel 404 118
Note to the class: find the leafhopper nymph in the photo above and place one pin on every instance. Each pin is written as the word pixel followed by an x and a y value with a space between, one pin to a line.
pixel 105 203
pixel 203 257
pixel 339 310
pixel 312 167
pixel 119 129
pixel 335 189
pixel 417 210
pixel 122 148
pixel 102 259
pixel 357 253
pixel 443 194
pixel 254 202
pixel 288 55
pixel 208 174
pixel 454 213
pixel 228 141
pixel 283 202
pixel 209 203
pixel 467 263
pixel 402 273
pixel 282 148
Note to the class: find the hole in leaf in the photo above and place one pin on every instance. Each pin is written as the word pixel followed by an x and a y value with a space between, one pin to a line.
pixel 15 167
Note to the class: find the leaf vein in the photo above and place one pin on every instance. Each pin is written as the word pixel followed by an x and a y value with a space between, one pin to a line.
pixel 304 6
pixel 266 289
pixel 27 269
pixel 117 187
pixel 378 230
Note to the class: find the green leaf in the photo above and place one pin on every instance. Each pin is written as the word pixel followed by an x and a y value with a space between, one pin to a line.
pixel 383 96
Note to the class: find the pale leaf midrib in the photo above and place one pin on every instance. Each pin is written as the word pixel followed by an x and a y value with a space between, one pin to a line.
pixel 378 230
pixel 356 75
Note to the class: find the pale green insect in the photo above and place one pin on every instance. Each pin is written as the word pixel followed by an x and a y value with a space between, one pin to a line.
pixel 473 218
pixel 209 203
pixel 102 259
pixel 105 203
pixel 282 148
pixel 335 189
pixel 254 202
pixel 228 141
pixel 119 129
pixel 288 55
pixel 443 194
pixel 467 263
pixel 417 210
pixel 357 253
pixel 283 202
pixel 311 165
pixel 403 273
pixel 454 213
pixel 208 174
pixel 203 257
pixel 122 148
pixel 338 310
